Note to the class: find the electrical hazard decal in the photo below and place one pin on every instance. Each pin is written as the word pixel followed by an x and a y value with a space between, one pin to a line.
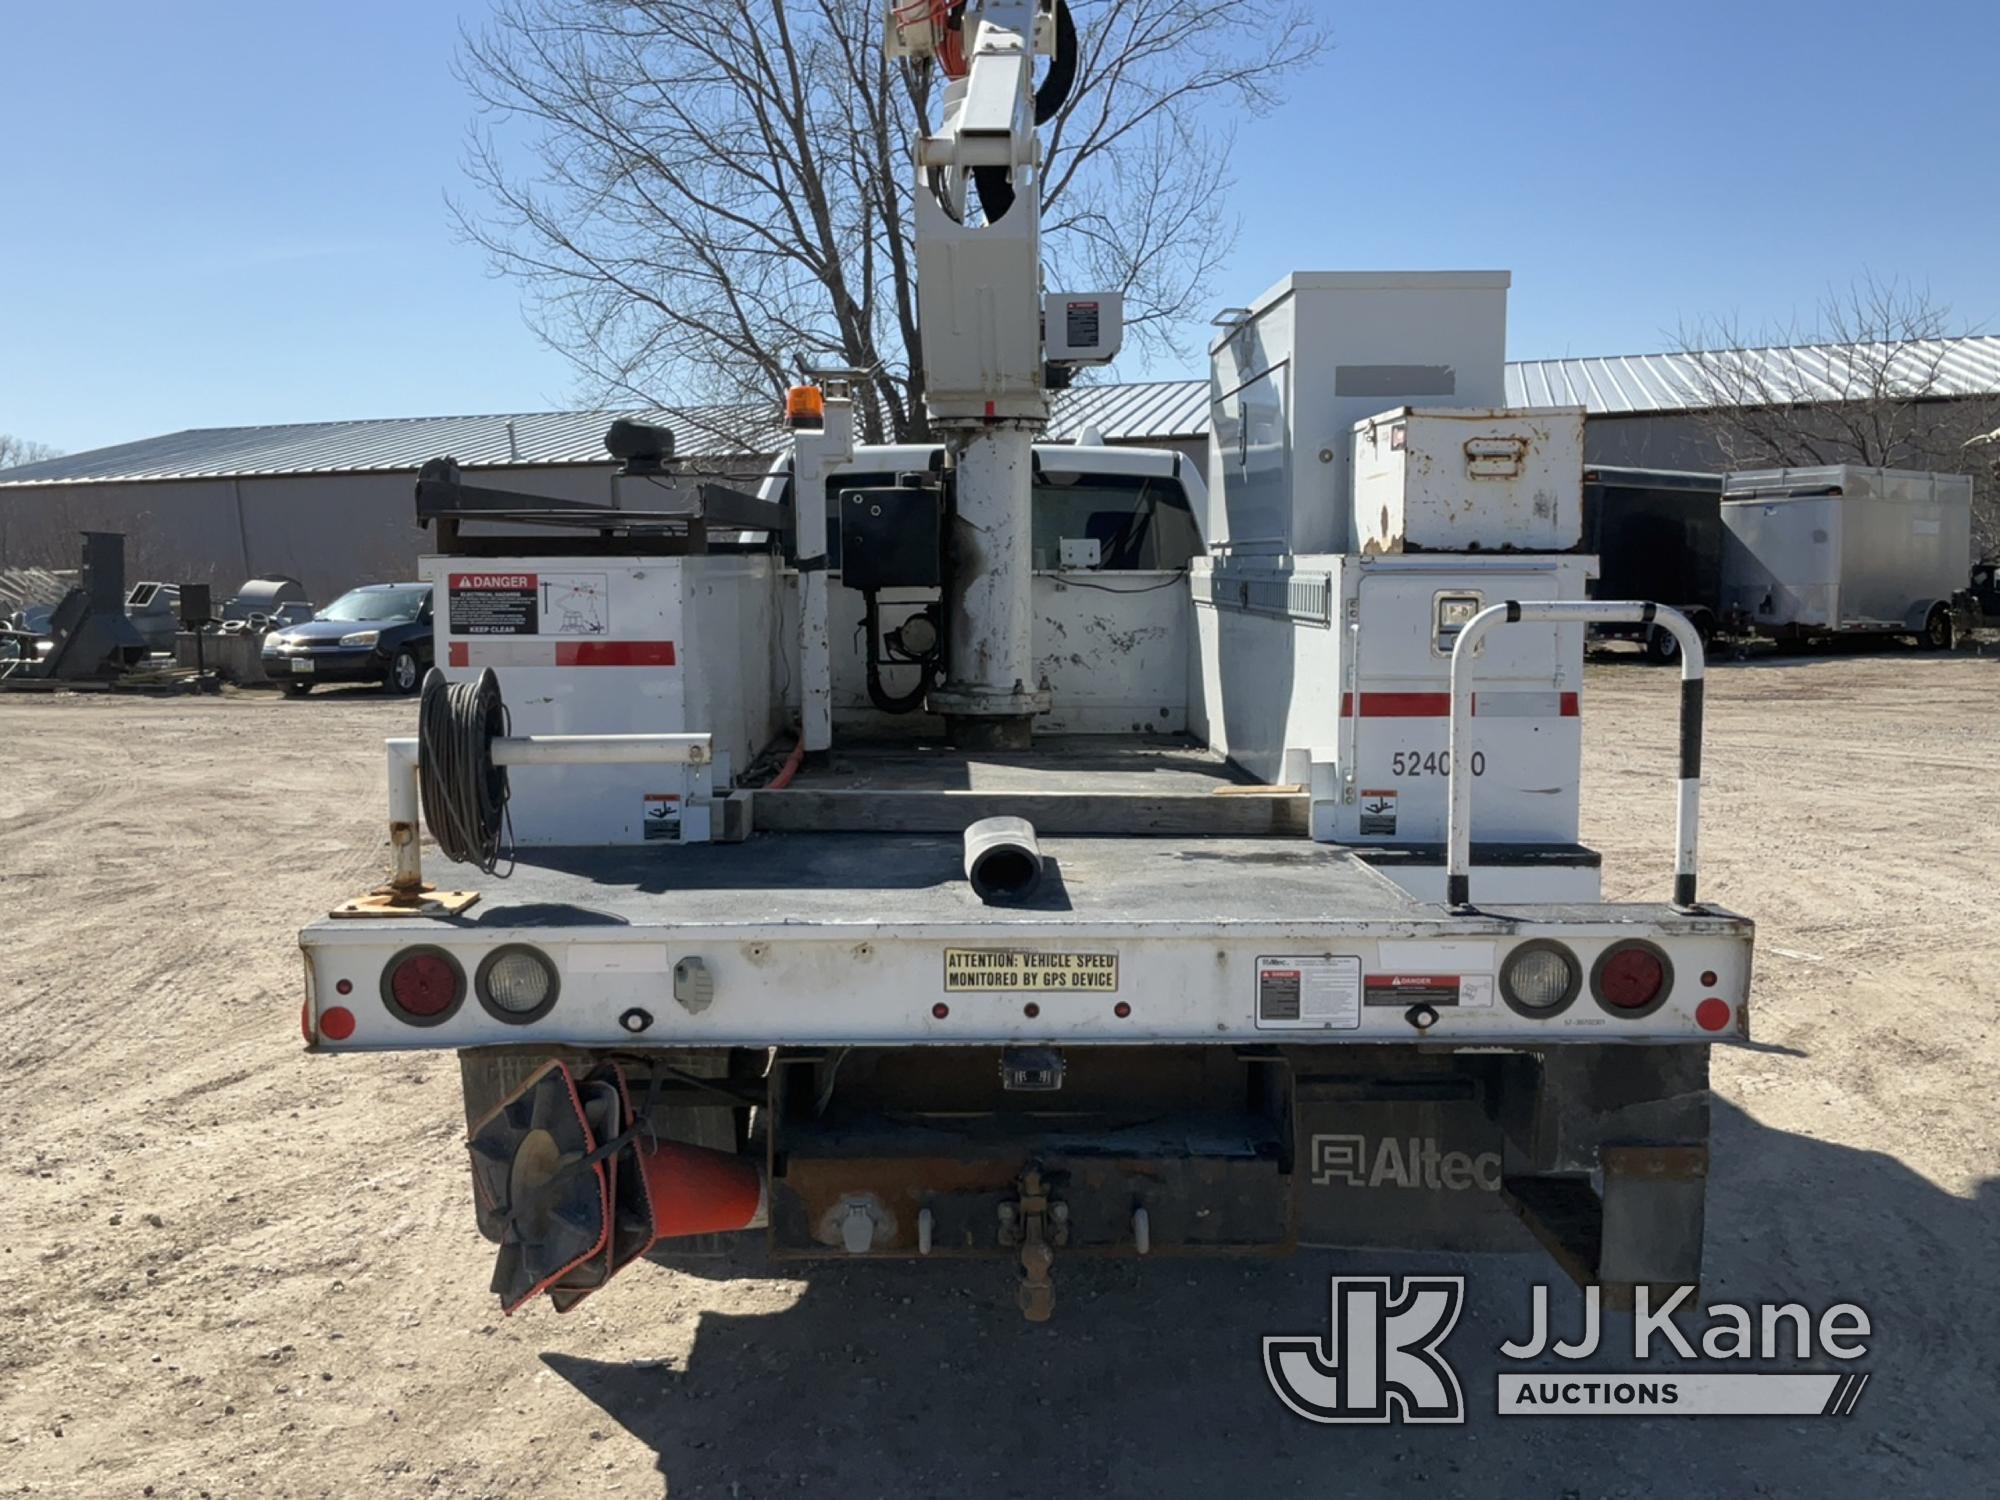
pixel 575 603
pixel 1378 814
pixel 1028 969
pixel 492 603
pixel 1430 989
pixel 528 603
pixel 663 817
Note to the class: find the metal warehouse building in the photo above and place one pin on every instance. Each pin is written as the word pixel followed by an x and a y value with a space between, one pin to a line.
pixel 1644 408
pixel 330 503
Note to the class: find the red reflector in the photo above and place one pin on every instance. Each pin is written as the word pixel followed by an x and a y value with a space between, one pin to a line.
pixel 1631 978
pixel 1121 1010
pixel 336 1023
pixel 1712 1014
pixel 344 987
pixel 423 984
pixel 940 1010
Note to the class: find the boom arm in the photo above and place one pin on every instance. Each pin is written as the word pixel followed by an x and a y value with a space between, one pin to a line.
pixel 979 302
pixel 979 284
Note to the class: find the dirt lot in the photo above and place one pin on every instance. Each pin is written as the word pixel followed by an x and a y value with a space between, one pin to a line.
pixel 228 1269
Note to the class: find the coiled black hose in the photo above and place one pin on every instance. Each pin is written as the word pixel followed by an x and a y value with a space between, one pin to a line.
pixel 993 184
pixel 1053 92
pixel 464 794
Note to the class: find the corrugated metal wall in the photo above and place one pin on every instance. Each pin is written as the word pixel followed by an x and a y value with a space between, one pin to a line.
pixel 328 531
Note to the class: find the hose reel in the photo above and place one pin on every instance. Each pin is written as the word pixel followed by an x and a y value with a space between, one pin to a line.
pixel 464 793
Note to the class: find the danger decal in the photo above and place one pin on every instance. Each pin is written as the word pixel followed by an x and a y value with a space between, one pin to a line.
pixel 567 604
pixel 492 604
pixel 1430 989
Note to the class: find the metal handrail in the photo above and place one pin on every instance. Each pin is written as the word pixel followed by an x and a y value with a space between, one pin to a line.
pixel 1458 830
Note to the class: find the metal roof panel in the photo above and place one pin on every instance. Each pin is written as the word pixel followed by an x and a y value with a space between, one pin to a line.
pixel 1153 411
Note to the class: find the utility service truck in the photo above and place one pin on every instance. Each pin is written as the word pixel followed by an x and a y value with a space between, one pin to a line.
pixel 1006 849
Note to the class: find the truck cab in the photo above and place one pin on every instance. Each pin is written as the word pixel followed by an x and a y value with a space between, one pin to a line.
pixel 1120 509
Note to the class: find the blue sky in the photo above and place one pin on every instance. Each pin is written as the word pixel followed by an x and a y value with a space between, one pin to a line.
pixel 214 214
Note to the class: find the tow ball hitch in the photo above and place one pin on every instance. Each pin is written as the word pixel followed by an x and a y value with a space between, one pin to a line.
pixel 1039 1225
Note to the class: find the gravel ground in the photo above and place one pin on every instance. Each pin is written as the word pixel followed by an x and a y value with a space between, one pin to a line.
pixel 231 1270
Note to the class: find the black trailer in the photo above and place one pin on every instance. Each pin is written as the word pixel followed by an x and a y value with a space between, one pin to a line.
pixel 1657 534
pixel 1985 590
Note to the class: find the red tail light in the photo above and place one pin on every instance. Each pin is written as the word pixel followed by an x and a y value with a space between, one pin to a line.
pixel 1632 978
pixel 423 986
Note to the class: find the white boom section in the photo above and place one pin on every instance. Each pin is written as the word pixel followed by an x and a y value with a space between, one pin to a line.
pixel 979 308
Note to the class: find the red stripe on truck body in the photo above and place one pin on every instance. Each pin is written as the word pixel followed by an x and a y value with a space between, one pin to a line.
pixel 614 653
pixel 1427 705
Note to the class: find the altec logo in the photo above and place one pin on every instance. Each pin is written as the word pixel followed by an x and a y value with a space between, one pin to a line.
pixel 1381 1361
pixel 1412 1162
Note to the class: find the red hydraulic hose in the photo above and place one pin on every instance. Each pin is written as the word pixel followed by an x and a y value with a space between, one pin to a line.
pixel 790 768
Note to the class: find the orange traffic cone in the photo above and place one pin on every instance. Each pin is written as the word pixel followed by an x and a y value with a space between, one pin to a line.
pixel 698 1190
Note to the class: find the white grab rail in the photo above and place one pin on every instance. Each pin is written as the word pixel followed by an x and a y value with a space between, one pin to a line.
pixel 1458 836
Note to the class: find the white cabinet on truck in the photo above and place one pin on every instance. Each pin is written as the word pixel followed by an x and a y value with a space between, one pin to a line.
pixel 1469 481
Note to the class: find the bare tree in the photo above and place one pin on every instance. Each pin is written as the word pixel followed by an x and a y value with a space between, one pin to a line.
pixel 696 194
pixel 15 451
pixel 1872 379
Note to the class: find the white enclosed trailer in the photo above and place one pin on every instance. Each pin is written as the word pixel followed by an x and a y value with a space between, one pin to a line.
pixel 1846 550
pixel 1304 952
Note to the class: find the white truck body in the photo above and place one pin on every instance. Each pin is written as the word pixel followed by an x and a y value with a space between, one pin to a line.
pixel 1320 351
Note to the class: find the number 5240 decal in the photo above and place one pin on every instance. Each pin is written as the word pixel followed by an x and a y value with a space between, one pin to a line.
pixel 1431 763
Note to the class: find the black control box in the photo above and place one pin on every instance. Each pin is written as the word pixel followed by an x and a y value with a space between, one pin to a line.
pixel 889 538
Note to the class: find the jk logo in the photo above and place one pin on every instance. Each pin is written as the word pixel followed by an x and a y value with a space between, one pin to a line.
pixel 1380 1362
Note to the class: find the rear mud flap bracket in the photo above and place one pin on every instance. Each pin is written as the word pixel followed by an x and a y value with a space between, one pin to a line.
pixel 1644 1229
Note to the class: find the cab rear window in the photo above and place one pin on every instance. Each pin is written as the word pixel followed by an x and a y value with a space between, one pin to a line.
pixel 1138 522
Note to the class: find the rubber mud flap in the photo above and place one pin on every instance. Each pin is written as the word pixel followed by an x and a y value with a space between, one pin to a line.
pixel 1419 1174
pixel 530 1167
pixel 632 1217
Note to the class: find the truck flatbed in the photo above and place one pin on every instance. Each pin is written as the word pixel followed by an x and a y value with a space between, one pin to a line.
pixel 1210 916
pixel 917 880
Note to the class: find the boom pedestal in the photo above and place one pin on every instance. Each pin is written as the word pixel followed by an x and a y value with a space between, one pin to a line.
pixel 989 699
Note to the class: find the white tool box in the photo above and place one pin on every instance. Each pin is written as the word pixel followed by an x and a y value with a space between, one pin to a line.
pixel 616 645
pixel 1469 481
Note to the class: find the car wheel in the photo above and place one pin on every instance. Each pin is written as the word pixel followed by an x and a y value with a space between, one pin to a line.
pixel 1937 629
pixel 404 673
pixel 296 689
pixel 1662 646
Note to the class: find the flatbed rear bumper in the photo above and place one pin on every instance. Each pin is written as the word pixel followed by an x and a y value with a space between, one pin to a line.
pixel 838 940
